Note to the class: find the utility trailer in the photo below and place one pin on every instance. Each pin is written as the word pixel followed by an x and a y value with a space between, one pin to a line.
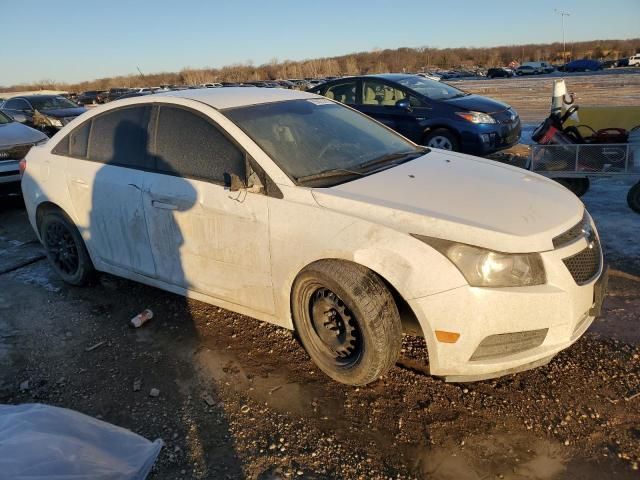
pixel 573 165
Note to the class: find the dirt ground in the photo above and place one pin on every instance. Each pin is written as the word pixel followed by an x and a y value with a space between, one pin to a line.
pixel 241 399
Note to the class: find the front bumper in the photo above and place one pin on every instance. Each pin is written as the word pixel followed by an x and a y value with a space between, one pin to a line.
pixel 491 138
pixel 560 307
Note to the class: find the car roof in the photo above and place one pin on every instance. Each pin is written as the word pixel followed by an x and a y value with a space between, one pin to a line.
pixel 393 76
pixel 231 97
pixel 36 97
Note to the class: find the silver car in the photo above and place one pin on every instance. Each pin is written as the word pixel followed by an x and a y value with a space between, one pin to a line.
pixel 15 141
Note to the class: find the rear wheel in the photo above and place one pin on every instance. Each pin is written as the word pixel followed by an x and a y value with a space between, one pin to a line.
pixel 347 321
pixel 65 248
pixel 633 198
pixel 441 138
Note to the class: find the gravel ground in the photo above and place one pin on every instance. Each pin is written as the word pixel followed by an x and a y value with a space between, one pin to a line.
pixel 240 399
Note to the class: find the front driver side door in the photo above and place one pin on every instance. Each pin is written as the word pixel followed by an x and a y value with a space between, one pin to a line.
pixel 204 237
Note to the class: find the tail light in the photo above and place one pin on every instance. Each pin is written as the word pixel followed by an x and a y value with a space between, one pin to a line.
pixel 22 166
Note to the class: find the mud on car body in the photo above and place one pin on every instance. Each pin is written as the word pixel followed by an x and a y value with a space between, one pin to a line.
pixel 297 210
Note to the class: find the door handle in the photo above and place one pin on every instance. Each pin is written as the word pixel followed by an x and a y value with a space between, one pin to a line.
pixel 163 205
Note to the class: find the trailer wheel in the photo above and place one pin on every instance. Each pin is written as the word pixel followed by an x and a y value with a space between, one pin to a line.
pixel 633 198
pixel 579 186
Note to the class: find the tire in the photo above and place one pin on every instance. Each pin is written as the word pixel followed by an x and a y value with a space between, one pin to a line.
pixel 443 137
pixel 633 198
pixel 347 321
pixel 578 186
pixel 65 248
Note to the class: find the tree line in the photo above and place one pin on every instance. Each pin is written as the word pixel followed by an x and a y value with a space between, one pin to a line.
pixel 376 61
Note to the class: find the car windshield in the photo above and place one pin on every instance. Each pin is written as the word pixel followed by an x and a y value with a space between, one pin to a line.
pixel 431 88
pixel 4 118
pixel 51 103
pixel 318 142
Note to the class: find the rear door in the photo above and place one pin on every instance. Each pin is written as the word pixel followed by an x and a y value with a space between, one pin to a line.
pixel 203 236
pixel 105 178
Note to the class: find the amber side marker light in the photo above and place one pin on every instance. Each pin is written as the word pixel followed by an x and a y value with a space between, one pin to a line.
pixel 447 337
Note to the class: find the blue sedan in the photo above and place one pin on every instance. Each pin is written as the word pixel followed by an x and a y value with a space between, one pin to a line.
pixel 428 112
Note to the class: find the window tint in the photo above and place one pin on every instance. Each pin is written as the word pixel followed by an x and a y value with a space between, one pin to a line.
pixel 376 92
pixel 343 92
pixel 120 138
pixel 78 140
pixel 191 146
pixel 62 148
pixel 16 104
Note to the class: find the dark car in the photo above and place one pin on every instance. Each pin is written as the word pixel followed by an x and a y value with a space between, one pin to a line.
pixel 114 93
pixel 48 113
pixel 499 72
pixel 91 97
pixel 622 62
pixel 526 70
pixel 15 141
pixel 430 113
pixel 583 66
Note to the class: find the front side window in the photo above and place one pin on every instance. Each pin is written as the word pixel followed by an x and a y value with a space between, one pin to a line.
pixel 120 137
pixel 376 92
pixel 342 92
pixel 52 103
pixel 430 88
pixel 4 118
pixel 189 145
pixel 317 142
pixel 17 104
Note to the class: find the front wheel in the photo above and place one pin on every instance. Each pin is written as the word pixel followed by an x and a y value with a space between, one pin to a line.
pixel 65 248
pixel 347 321
pixel 441 138
pixel 633 198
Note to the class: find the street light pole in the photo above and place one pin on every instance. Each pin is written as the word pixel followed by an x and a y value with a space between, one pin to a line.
pixel 562 14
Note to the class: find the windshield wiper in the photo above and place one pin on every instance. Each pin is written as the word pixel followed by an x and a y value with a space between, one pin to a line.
pixel 392 157
pixel 334 172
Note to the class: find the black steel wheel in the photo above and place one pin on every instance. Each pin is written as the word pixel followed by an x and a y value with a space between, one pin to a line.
pixel 347 320
pixel 65 248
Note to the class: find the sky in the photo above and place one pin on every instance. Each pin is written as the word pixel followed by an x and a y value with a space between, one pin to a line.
pixel 74 40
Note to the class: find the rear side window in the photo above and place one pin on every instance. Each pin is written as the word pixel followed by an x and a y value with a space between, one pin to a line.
pixel 189 145
pixel 75 144
pixel 120 137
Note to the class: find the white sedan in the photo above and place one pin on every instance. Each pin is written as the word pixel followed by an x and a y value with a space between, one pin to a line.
pixel 302 212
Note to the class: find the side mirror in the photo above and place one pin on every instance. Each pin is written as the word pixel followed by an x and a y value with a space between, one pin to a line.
pixel 404 104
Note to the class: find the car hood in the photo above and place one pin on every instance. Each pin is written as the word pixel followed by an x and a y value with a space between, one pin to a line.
pixel 461 198
pixel 63 112
pixel 15 133
pixel 477 103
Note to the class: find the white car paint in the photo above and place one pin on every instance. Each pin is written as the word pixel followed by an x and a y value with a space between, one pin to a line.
pixel 242 250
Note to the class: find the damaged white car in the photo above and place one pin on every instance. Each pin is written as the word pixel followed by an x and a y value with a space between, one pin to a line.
pixel 302 212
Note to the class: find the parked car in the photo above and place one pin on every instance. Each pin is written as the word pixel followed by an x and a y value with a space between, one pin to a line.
pixel 540 67
pixel 48 113
pixel 115 93
pixel 204 192
pixel 91 97
pixel 211 85
pixel 583 66
pixel 526 70
pixel 15 141
pixel 622 62
pixel 634 60
pixel 430 113
pixel 499 72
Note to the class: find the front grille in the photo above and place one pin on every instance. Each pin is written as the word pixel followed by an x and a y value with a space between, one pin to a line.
pixel 584 265
pixel 15 153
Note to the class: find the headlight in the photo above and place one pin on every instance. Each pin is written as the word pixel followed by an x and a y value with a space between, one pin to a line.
pixel 486 268
pixel 54 122
pixel 476 117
